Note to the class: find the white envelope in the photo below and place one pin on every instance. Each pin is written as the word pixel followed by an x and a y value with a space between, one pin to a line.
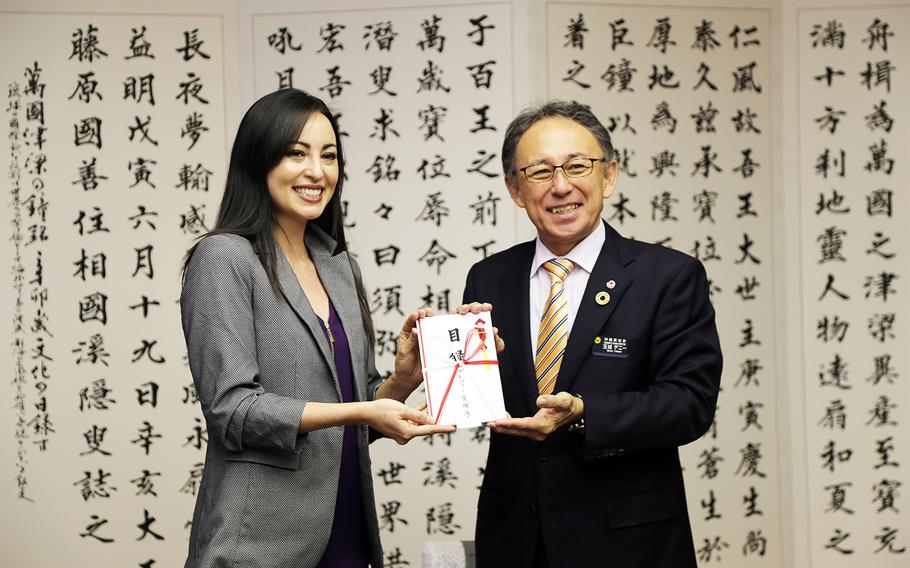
pixel 460 369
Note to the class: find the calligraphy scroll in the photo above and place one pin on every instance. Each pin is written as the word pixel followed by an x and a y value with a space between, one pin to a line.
pixel 685 93
pixel 116 158
pixel 853 147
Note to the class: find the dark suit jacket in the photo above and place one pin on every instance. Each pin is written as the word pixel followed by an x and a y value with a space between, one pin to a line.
pixel 268 493
pixel 614 495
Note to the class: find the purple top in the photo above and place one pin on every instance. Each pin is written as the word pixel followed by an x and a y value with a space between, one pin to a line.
pixel 347 546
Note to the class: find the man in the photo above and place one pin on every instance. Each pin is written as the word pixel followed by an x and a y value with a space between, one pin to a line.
pixel 612 361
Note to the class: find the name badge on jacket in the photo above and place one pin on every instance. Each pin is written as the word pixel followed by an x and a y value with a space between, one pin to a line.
pixel 610 347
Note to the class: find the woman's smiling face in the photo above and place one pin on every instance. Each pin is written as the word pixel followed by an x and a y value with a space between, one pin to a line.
pixel 303 182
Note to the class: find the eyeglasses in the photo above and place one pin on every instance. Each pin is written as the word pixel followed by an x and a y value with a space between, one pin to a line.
pixel 574 168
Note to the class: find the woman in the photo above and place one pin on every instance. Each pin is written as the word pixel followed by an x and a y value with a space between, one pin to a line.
pixel 280 347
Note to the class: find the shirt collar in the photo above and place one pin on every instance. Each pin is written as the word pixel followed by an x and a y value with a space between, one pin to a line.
pixel 583 256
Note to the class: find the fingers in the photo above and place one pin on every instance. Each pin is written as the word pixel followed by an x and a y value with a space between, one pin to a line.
pixel 411 321
pixel 560 401
pixel 498 341
pixel 517 427
pixel 413 431
pixel 473 307
pixel 427 429
pixel 509 425
pixel 508 417
pixel 529 427
pixel 421 407
pixel 408 336
pixel 416 416
pixel 510 422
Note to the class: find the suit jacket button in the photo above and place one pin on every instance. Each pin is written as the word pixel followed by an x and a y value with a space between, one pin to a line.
pixel 533 511
pixel 543 454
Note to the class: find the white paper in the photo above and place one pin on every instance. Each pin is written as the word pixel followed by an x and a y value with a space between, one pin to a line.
pixel 460 369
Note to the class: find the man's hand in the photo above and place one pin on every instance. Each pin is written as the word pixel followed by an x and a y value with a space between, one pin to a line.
pixel 407 375
pixel 556 410
pixel 476 308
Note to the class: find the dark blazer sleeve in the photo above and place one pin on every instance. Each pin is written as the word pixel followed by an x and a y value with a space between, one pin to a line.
pixel 218 324
pixel 685 369
pixel 469 294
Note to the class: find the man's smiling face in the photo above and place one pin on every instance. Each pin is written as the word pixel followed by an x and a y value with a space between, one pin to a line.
pixel 564 210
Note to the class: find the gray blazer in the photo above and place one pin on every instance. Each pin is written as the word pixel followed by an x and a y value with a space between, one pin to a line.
pixel 268 493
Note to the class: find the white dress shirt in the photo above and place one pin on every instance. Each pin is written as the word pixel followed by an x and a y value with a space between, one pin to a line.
pixel 583 256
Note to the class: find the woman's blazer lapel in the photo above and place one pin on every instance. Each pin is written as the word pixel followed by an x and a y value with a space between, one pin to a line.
pixel 335 273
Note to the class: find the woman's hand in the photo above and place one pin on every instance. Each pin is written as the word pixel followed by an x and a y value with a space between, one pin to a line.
pixel 407 357
pixel 407 376
pixel 400 422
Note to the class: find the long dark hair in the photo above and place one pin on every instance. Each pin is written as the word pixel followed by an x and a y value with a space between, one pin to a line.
pixel 267 130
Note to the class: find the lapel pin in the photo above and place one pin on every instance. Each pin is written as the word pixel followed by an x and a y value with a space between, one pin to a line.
pixel 602 298
pixel 597 339
pixel 611 284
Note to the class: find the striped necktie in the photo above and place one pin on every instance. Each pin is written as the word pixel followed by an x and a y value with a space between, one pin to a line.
pixel 554 326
